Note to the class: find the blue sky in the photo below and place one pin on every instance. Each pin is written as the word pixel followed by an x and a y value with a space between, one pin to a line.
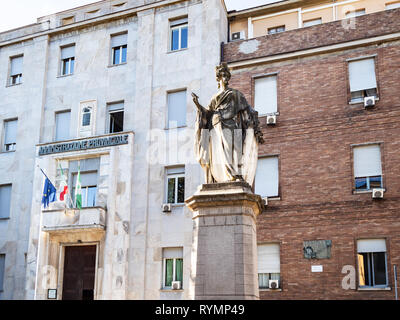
pixel 17 13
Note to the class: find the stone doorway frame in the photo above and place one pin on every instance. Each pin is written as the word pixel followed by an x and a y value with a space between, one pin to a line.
pixel 61 257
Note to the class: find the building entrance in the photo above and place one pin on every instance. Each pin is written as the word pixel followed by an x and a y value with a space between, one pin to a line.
pixel 79 273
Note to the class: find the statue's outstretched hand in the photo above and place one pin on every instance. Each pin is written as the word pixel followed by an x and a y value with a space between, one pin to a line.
pixel 195 98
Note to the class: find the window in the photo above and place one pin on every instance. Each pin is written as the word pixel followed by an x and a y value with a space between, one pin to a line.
pixel 267 177
pixel 265 95
pixel 372 263
pixel 175 185
pixel 63 120
pixel 177 109
pixel 268 264
pixel 356 13
pixel 362 79
pixel 312 22
pixel 172 266
pixel 67 60
pixel 393 5
pixel 5 200
pixel 119 48
pixel 89 188
pixel 86 116
pixel 178 34
pixel 276 29
pixel 10 135
pixel 115 117
pixel 89 169
pixel 367 167
pixel 16 70
pixel 2 270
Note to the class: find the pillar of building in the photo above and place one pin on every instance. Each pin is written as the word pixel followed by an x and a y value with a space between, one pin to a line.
pixel 224 261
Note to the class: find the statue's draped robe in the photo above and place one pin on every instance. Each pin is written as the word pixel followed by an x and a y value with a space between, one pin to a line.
pixel 226 145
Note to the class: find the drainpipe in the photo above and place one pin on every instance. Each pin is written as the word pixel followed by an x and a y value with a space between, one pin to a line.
pixel 249 28
pixel 395 282
pixel 299 18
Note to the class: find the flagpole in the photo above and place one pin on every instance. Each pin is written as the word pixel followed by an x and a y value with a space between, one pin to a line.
pixel 45 174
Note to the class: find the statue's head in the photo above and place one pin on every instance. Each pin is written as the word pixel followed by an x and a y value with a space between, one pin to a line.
pixel 222 73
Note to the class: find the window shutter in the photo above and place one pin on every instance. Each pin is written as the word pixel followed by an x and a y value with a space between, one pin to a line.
pixel 362 74
pixel 119 40
pixel 87 179
pixel 10 132
pixel 265 95
pixel 67 52
pixel 116 106
pixel 178 170
pixel 62 125
pixel 267 177
pixel 16 66
pixel 268 258
pixel 367 161
pixel 171 253
pixel 371 245
pixel 177 108
pixel 91 164
pixel 313 22
pixel 178 22
pixel 5 200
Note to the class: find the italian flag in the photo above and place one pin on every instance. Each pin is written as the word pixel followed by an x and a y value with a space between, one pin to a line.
pixel 78 190
pixel 63 186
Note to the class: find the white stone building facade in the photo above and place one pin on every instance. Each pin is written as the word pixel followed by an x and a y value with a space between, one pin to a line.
pixel 105 83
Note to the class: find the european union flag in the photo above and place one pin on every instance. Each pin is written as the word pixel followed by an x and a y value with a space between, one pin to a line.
pixel 49 193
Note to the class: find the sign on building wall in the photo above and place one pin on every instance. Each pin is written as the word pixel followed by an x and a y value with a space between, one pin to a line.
pixel 84 144
pixel 317 249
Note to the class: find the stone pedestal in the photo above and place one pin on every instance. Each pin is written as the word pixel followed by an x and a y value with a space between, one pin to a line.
pixel 224 263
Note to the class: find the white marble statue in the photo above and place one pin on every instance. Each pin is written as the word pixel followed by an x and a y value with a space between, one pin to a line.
pixel 227 134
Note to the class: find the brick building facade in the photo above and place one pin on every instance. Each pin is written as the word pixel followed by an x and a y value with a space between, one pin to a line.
pixel 316 131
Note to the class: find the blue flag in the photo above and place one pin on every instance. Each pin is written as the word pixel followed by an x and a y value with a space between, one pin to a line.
pixel 49 193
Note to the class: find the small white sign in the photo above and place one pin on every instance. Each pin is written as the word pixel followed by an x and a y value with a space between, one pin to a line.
pixel 317 269
pixel 52 294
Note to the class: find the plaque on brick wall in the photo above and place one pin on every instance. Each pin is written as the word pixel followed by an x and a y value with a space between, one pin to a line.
pixel 317 249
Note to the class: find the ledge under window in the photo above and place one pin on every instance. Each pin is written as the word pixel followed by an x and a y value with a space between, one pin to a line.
pixel 65 75
pixel 270 290
pixel 11 151
pixel 171 290
pixel 263 115
pixel 366 191
pixel 360 102
pixel 13 85
pixel 116 65
pixel 374 289
pixel 178 50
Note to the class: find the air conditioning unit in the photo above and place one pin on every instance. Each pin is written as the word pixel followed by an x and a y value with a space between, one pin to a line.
pixel 271 119
pixel 176 285
pixel 237 35
pixel 377 193
pixel 369 102
pixel 166 207
pixel 273 284
pixel 265 201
